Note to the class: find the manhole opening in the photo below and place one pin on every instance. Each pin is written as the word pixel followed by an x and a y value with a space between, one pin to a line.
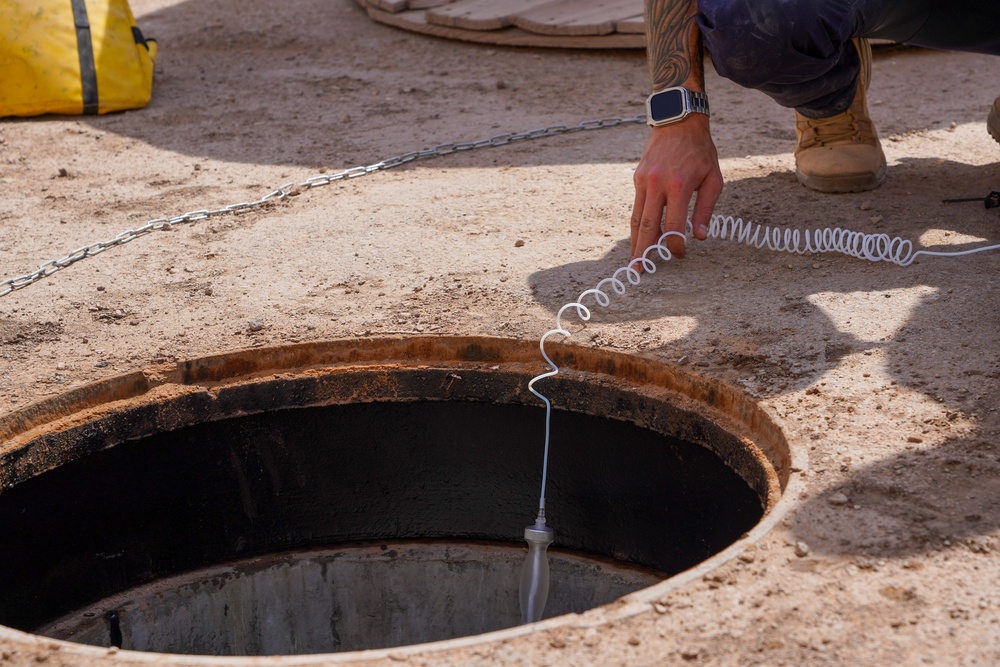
pixel 356 507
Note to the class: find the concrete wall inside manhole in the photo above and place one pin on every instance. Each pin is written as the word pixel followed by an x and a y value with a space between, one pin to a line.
pixel 383 497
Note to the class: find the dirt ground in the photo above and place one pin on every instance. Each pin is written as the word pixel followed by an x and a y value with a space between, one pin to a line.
pixel 884 377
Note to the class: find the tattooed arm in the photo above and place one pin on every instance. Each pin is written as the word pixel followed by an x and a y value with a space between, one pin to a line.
pixel 679 159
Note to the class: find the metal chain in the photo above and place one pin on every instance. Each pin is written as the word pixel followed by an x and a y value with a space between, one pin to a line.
pixel 290 189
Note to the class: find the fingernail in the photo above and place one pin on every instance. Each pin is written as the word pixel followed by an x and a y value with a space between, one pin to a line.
pixel 703 230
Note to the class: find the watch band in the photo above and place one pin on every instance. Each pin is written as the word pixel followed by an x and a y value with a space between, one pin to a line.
pixel 698 102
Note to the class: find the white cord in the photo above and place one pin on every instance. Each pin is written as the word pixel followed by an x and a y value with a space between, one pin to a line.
pixel 603 299
pixel 873 247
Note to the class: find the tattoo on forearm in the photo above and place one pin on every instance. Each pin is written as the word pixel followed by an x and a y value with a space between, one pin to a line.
pixel 673 42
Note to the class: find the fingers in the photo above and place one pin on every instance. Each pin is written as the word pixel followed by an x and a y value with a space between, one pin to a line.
pixel 676 220
pixel 708 195
pixel 649 228
pixel 635 221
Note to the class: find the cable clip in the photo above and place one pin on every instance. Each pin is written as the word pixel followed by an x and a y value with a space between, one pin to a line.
pixel 992 200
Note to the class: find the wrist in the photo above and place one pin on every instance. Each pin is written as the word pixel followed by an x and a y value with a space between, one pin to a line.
pixel 693 128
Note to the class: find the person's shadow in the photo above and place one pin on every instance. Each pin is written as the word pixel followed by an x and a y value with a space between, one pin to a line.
pixel 830 311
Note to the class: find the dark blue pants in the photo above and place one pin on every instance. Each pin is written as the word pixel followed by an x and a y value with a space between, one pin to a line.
pixel 799 51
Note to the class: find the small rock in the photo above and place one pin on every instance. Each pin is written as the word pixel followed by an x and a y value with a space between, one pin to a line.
pixel 519 243
pixel 838 499
pixel 914 439
pixel 801 549
pixel 255 324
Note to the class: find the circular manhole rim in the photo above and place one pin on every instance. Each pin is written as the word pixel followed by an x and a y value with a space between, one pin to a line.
pixel 713 400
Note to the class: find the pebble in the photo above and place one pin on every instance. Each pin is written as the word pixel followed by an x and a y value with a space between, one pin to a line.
pixel 255 324
pixel 838 499
pixel 519 243
pixel 801 549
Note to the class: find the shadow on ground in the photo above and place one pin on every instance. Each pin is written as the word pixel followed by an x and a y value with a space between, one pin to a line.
pixel 917 497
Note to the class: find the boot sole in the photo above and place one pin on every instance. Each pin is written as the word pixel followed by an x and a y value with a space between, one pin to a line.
pixel 993 124
pixel 838 183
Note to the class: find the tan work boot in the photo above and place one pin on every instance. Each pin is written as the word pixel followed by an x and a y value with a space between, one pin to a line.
pixel 993 120
pixel 842 153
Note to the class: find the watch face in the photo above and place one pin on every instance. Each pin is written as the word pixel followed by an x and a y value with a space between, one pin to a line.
pixel 666 105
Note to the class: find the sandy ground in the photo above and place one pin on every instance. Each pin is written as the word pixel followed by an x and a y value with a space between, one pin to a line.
pixel 886 377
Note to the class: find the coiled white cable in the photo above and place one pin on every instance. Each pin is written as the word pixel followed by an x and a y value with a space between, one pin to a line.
pixel 873 247
pixel 603 299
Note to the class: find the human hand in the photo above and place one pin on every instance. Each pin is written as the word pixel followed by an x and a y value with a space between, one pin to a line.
pixel 678 161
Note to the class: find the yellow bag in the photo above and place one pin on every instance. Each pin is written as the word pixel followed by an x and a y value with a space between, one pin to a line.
pixel 72 57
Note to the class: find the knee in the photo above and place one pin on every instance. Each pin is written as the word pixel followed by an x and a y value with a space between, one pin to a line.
pixel 744 37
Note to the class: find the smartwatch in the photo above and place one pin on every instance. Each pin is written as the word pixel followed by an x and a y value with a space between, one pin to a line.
pixel 674 104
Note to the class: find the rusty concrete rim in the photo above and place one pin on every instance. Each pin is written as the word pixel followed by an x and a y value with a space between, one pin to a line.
pixel 211 376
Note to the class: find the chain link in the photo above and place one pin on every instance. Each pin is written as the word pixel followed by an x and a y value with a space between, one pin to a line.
pixel 291 189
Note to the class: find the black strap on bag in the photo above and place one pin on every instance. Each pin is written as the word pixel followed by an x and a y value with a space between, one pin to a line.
pixel 85 47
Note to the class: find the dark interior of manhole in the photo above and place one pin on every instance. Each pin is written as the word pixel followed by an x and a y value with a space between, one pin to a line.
pixel 380 524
